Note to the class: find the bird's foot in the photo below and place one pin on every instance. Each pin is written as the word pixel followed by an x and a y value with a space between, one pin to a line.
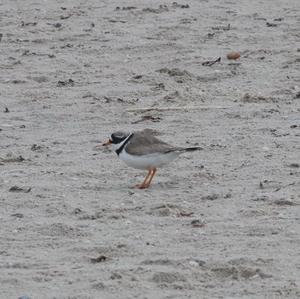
pixel 141 186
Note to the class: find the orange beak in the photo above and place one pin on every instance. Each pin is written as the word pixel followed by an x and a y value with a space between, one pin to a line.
pixel 108 142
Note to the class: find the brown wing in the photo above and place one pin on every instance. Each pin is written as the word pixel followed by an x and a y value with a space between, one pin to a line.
pixel 143 143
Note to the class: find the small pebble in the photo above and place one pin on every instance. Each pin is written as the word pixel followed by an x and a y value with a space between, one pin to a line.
pixel 19 189
pixel 193 264
pixel 57 25
pixel 294 165
pixel 196 263
pixel 197 223
pixel 17 215
pixel 115 276
pixel 99 259
pixel 271 24
pixel 233 55
pixel 284 202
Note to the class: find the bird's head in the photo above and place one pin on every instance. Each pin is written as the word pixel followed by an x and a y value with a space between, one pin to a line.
pixel 116 140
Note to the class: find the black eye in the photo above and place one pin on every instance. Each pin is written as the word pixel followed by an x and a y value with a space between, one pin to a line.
pixel 117 138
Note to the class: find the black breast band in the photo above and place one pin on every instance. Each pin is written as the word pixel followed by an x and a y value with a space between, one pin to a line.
pixel 119 150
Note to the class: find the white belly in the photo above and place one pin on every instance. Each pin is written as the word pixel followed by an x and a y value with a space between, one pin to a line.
pixel 148 161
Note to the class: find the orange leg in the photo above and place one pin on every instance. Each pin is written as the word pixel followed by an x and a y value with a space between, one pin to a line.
pixel 151 177
pixel 142 185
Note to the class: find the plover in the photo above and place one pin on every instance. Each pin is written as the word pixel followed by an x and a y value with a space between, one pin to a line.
pixel 142 150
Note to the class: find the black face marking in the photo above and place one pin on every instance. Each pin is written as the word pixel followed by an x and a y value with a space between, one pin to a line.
pixel 117 137
pixel 119 150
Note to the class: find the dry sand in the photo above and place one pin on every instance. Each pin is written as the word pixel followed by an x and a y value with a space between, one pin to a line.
pixel 219 223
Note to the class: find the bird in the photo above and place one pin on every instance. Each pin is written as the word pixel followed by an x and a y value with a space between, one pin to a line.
pixel 142 150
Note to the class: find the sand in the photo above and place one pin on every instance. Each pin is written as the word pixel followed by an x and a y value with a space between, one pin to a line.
pixel 218 223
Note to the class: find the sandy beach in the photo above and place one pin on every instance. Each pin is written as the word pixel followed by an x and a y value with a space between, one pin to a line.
pixel 223 222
